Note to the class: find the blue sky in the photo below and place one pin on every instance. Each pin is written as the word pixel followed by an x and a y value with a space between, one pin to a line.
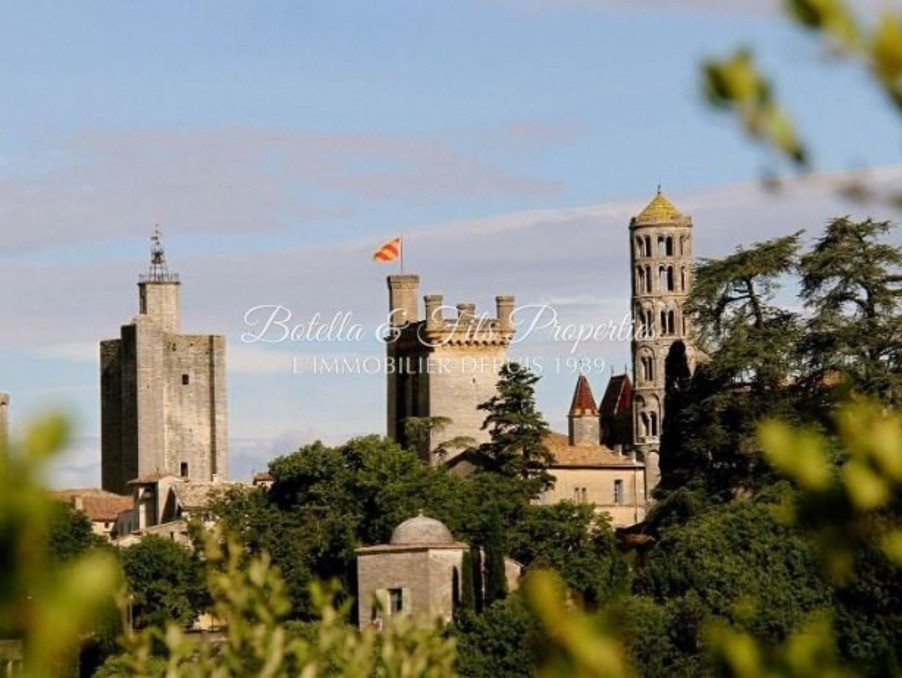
pixel 280 142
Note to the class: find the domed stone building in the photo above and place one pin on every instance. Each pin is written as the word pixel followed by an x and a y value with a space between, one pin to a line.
pixel 414 573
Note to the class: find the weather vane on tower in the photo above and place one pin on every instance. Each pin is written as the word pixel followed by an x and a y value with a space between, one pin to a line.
pixel 158 271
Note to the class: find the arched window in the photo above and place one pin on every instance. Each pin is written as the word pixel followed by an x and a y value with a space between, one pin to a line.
pixel 662 246
pixel 648 323
pixel 648 246
pixel 682 279
pixel 670 286
pixel 669 246
pixel 640 247
pixel 664 322
pixel 648 279
pixel 645 426
pixel 671 322
pixel 648 368
pixel 640 280
pixel 653 424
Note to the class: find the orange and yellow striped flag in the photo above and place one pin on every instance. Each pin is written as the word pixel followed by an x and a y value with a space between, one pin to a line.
pixel 389 251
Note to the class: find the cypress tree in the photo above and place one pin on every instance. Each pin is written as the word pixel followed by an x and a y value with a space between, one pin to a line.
pixel 517 428
pixel 478 579
pixel 467 600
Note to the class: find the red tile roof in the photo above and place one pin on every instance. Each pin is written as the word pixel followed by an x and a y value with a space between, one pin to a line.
pixel 100 506
pixel 618 396
pixel 583 404
pixel 585 456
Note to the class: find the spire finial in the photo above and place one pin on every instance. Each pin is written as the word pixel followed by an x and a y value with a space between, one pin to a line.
pixel 659 188
pixel 158 271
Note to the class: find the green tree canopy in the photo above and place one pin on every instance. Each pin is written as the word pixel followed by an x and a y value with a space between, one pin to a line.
pixel 852 286
pixel 518 430
pixel 165 582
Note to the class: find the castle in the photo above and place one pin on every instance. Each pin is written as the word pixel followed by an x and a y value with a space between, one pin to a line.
pixel 610 454
pixel 441 366
pixel 163 393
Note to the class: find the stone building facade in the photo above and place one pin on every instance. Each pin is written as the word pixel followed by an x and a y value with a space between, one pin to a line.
pixel 102 508
pixel 414 573
pixel 586 471
pixel 442 366
pixel 163 393
pixel 661 264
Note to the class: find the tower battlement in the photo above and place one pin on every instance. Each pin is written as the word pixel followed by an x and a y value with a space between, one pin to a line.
pixel 442 324
pixel 465 326
pixel 452 356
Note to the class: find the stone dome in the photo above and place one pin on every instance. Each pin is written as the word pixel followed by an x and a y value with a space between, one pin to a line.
pixel 422 530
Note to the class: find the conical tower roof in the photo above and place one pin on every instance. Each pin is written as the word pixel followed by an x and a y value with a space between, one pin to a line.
pixel 659 211
pixel 583 404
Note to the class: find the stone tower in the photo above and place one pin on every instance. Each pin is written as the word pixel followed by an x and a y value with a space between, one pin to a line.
pixel 163 393
pixel 583 420
pixel 661 259
pixel 442 366
pixel 4 420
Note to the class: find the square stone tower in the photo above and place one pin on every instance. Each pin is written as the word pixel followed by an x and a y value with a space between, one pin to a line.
pixel 442 366
pixel 163 393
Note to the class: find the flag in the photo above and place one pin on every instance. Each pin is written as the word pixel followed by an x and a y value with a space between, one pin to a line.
pixel 389 251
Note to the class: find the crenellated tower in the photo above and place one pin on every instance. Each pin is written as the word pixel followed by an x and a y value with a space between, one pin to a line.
pixel 661 264
pixel 443 365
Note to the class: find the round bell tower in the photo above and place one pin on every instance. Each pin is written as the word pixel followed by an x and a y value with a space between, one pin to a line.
pixel 661 264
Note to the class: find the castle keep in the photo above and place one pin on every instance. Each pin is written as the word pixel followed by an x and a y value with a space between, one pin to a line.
pixel 446 365
pixel 163 393
pixel 442 366
pixel 661 259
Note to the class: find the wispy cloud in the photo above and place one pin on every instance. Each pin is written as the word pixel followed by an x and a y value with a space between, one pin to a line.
pixel 575 258
pixel 104 184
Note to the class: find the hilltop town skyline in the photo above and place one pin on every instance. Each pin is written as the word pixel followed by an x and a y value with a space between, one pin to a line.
pixel 276 160
pixel 289 363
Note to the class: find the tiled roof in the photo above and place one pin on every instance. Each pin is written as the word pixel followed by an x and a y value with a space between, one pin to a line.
pixel 106 508
pixel 197 495
pixel 583 401
pixel 585 456
pixel 100 506
pixel 659 210
pixel 618 396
